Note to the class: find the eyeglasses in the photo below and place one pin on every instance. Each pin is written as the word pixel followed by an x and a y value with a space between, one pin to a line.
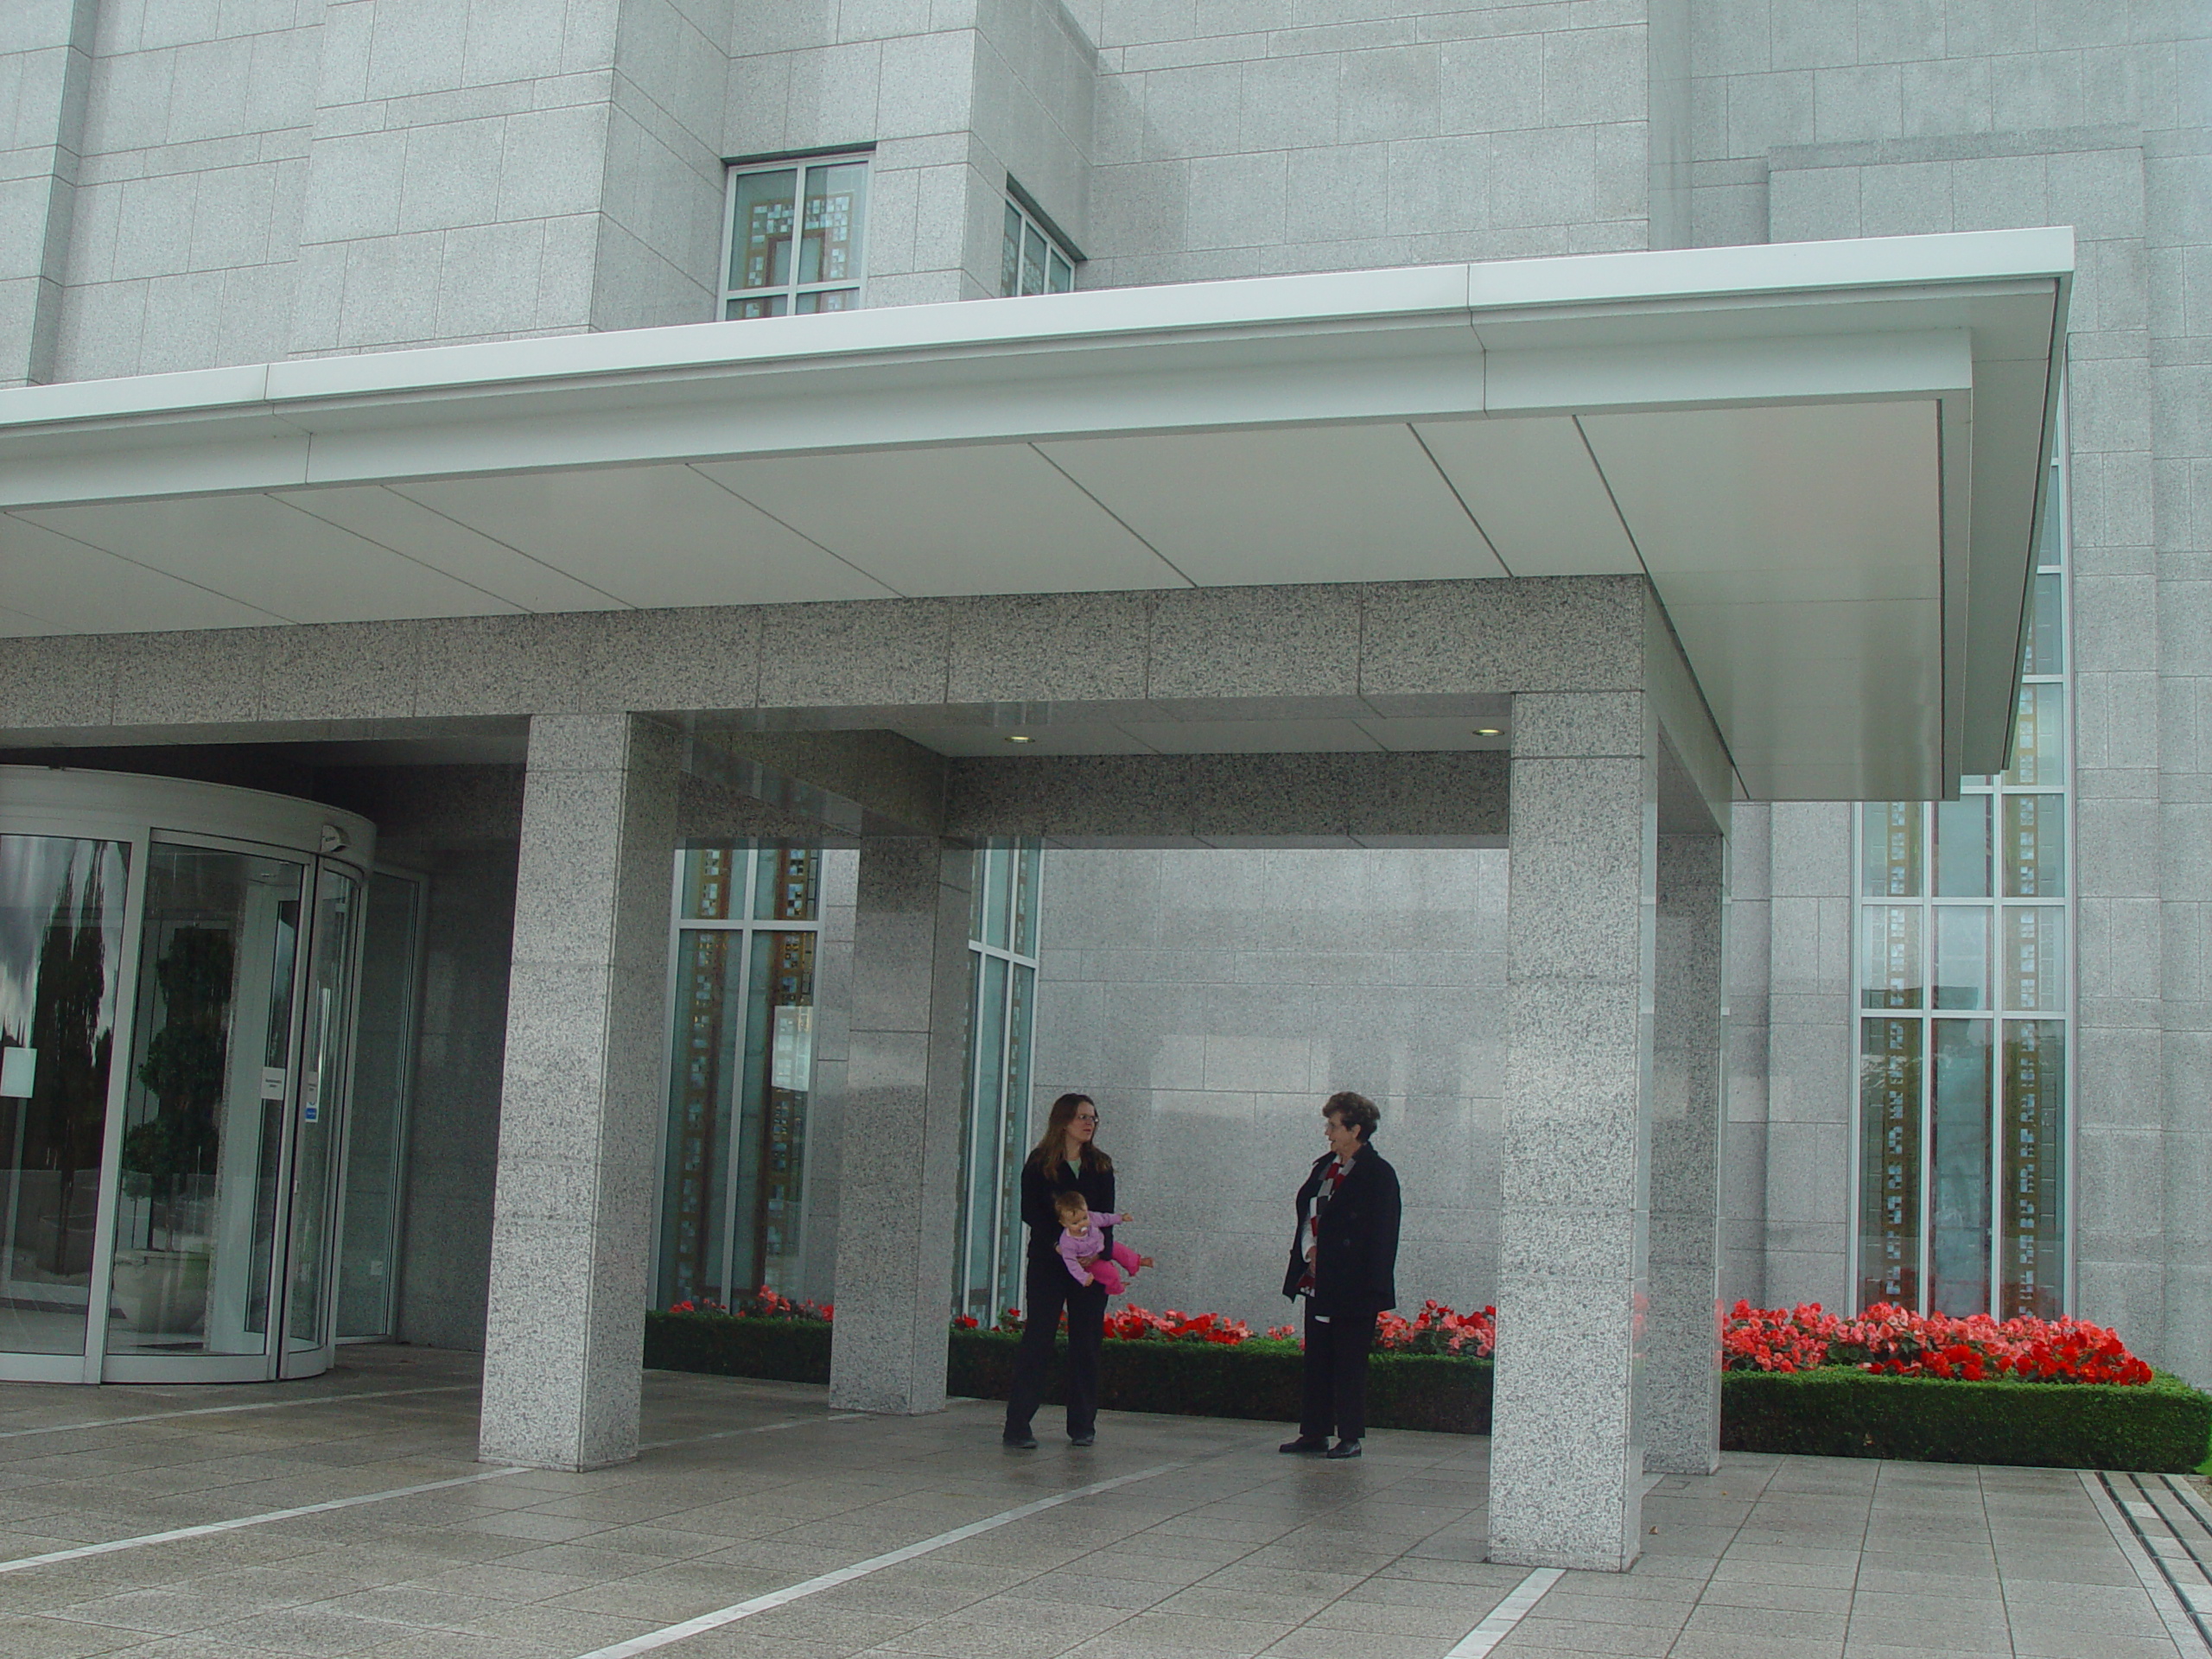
pixel 1086 1117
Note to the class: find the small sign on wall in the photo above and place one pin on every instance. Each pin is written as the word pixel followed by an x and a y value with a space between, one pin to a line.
pixel 18 1072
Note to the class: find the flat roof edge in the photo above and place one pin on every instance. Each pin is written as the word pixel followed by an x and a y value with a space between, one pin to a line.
pixel 1348 299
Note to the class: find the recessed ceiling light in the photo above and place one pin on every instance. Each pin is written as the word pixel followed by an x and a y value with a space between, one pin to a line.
pixel 1486 731
pixel 1020 737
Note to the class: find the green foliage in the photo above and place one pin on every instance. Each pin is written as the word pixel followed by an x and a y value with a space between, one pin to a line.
pixel 2163 1424
pixel 719 1344
pixel 185 1061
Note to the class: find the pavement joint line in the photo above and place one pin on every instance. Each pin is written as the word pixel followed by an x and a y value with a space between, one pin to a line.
pixel 1499 1623
pixel 81 1552
pixel 218 1411
pixel 2181 1618
pixel 653 1640
pixel 759 1428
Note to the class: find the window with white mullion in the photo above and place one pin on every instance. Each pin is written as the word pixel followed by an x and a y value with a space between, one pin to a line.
pixel 795 238
pixel 1964 974
pixel 995 1136
pixel 1031 260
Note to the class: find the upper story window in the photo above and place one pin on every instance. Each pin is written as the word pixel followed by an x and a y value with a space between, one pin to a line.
pixel 796 238
pixel 1032 262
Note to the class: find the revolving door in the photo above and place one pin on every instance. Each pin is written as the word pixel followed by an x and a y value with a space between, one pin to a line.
pixel 178 965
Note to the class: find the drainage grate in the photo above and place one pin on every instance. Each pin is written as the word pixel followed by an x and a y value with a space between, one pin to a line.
pixel 2173 1526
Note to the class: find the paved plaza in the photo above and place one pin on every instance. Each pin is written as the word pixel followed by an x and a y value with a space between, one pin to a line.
pixel 758 1522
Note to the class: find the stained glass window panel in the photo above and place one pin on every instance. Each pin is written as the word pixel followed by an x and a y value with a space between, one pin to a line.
pixel 1889 1183
pixel 2032 1256
pixel 1889 957
pixel 831 239
pixel 760 239
pixel 1959 1219
pixel 2039 739
pixel 2035 955
pixel 2033 846
pixel 1892 840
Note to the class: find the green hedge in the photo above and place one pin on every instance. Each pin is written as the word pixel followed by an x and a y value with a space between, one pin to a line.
pixel 1257 1379
pixel 2165 1425
pixel 2162 1425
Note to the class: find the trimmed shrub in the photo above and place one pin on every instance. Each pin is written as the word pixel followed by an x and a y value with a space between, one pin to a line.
pixel 722 1345
pixel 1258 1378
pixel 2161 1426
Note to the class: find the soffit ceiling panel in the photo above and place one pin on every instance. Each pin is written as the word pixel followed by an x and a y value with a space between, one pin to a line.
pixel 1286 505
pixel 996 518
pixel 292 565
pixel 1531 484
pixel 56 584
pixel 650 535
pixel 390 519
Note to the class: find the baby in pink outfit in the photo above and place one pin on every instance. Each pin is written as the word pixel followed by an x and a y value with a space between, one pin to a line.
pixel 1083 1251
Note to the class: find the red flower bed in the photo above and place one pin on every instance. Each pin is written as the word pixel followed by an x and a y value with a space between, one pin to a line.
pixel 762 1304
pixel 1435 1330
pixel 1894 1342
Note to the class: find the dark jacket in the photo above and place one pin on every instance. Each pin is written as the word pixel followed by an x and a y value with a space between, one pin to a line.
pixel 1355 1269
pixel 1038 1190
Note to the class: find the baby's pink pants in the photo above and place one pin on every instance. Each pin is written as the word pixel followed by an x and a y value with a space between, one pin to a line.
pixel 1115 1268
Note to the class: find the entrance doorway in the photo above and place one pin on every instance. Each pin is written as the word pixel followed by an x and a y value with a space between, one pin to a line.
pixel 177 987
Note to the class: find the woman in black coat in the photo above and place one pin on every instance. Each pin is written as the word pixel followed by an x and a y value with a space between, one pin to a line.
pixel 1344 1261
pixel 1065 1159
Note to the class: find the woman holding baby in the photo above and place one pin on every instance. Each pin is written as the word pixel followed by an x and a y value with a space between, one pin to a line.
pixel 1067 1203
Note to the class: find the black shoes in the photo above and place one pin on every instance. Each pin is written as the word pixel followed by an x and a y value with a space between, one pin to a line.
pixel 1083 1439
pixel 1343 1449
pixel 1306 1443
pixel 1024 1441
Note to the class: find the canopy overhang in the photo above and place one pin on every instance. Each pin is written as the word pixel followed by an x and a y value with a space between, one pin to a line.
pixel 1829 459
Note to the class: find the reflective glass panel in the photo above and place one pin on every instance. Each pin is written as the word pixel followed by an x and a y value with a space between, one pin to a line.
pixel 211 1080
pixel 695 1176
pixel 995 872
pixel 988 1114
pixel 828 299
pixel 2032 846
pixel 1060 278
pixel 1028 856
pixel 2045 644
pixel 830 248
pixel 760 236
pixel 1021 1020
pixel 1890 840
pixel 2031 1258
pixel 1032 260
pixel 1962 848
pixel 1010 253
pixel 1889 1180
pixel 1888 957
pixel 778 1088
pixel 710 883
pixel 1959 1215
pixel 787 887
pixel 770 305
pixel 1961 955
pixel 323 1073
pixel 2035 958
pixel 2039 739
pixel 61 904
pixel 383 1046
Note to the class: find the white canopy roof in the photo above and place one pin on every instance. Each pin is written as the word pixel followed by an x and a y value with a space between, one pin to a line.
pixel 1828 457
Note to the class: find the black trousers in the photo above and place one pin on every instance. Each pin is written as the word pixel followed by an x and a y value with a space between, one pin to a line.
pixel 1049 1289
pixel 1336 1375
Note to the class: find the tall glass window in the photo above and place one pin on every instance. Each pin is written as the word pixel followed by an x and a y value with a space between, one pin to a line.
pixel 1030 260
pixel 733 1214
pixel 1964 976
pixel 994 1130
pixel 797 237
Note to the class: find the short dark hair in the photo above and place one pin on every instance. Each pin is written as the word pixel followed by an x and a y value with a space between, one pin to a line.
pixel 1069 1202
pixel 1353 1111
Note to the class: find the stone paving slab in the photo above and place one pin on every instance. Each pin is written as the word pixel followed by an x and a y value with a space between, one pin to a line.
pixel 1224 1550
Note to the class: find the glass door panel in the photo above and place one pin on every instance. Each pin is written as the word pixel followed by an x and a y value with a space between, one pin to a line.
pixel 324 1055
pixel 377 1108
pixel 204 1118
pixel 61 907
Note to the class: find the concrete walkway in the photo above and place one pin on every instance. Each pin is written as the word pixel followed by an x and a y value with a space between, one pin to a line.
pixel 197 1522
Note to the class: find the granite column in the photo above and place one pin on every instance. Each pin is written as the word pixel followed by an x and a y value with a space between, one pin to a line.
pixel 571 1228
pixel 898 1176
pixel 1566 1456
pixel 1682 1376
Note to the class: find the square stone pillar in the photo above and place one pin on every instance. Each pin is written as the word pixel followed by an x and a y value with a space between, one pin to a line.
pixel 899 1161
pixel 1682 1370
pixel 580 1108
pixel 1566 1456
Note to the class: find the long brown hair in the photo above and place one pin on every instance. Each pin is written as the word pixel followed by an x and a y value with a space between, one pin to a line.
pixel 1052 1146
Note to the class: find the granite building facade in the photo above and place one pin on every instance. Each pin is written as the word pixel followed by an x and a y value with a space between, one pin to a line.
pixel 355 448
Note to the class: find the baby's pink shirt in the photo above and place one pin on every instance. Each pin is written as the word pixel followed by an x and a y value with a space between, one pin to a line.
pixel 1073 1249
